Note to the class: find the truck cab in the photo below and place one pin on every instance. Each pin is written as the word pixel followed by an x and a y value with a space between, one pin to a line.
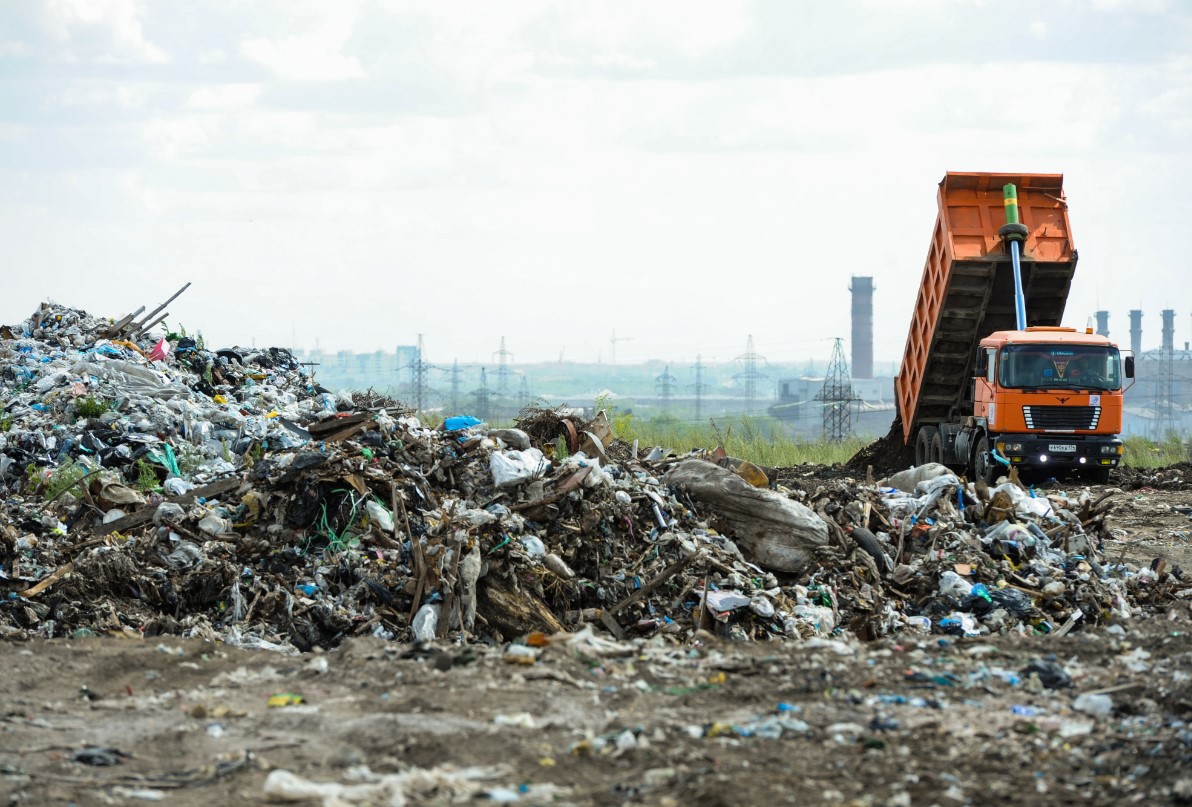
pixel 1048 398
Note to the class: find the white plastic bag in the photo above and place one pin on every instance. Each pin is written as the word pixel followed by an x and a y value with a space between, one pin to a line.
pixel 513 467
pixel 379 515
pixel 426 623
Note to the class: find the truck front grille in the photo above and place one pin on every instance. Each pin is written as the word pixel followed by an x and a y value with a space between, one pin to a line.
pixel 1061 418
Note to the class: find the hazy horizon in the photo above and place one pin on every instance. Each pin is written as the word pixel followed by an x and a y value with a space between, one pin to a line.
pixel 682 173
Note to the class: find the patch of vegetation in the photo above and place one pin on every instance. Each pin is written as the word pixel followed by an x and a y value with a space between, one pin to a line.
pixel 190 457
pixel 5 423
pixel 63 477
pixel 32 477
pixel 761 440
pixel 1141 452
pixel 146 476
pixel 91 407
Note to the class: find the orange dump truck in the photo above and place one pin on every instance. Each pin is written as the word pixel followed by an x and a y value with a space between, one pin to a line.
pixel 989 379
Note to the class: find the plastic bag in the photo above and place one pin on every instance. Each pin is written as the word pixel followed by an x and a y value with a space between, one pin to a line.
pixel 513 467
pixel 379 515
pixel 426 623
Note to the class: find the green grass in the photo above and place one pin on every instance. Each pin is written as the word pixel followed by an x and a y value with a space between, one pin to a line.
pixel 760 440
pixel 91 407
pixel 63 477
pixel 1141 452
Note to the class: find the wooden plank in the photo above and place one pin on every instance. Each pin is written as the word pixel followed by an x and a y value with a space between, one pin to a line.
pixel 145 515
pixel 336 424
pixel 47 582
pixel 663 576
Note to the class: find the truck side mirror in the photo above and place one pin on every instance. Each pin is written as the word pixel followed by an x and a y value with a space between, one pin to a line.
pixel 1129 365
pixel 982 362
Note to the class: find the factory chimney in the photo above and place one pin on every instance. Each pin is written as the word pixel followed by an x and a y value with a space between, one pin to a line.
pixel 862 341
pixel 1103 323
pixel 1136 332
pixel 1168 329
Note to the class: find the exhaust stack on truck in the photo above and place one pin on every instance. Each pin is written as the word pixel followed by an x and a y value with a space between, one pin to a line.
pixel 989 379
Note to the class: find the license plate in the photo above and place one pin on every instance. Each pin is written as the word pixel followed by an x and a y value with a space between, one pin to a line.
pixel 1057 448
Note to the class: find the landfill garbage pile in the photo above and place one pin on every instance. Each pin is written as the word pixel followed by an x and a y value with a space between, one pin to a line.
pixel 156 487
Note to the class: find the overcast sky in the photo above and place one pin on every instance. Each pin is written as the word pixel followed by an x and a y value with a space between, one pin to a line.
pixel 684 173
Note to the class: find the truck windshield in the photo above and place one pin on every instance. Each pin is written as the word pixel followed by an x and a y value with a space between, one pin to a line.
pixel 1060 367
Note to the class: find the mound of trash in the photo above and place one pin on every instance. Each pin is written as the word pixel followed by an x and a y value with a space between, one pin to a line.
pixel 153 486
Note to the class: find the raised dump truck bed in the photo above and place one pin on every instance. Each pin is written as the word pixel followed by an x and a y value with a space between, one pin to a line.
pixel 967 291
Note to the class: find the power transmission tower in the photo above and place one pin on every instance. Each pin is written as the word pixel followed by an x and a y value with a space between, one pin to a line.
pixel 483 397
pixel 665 385
pixel 455 386
pixel 837 396
pixel 699 387
pixel 503 371
pixel 418 369
pixel 523 394
pixel 1165 420
pixel 750 375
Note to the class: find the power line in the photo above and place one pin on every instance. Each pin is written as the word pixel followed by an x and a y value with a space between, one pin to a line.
pixel 483 397
pixel 523 394
pixel 838 397
pixel 455 386
pixel 418 368
pixel 665 385
pixel 699 387
pixel 503 371
pixel 750 375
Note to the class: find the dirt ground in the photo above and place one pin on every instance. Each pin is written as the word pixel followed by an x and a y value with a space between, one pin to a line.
pixel 909 720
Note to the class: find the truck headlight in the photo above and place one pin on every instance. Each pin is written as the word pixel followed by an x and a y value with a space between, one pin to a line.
pixel 1009 448
pixel 1111 449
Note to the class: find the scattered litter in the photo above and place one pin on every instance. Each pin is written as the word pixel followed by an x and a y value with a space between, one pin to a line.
pixel 165 488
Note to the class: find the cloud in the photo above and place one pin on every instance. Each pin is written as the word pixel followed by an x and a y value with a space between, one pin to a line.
pixel 91 93
pixel 656 147
pixel 103 31
pixel 11 48
pixel 173 137
pixel 1133 6
pixel 623 61
pixel 313 55
pixel 225 96
pixel 692 29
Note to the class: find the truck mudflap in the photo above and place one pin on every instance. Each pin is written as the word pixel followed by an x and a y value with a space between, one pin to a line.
pixel 1064 452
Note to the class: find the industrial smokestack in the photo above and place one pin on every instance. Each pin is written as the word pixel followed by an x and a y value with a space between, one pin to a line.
pixel 1168 329
pixel 1136 332
pixel 862 341
pixel 1103 323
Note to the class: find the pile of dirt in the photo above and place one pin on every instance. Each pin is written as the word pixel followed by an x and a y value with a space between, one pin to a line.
pixel 886 455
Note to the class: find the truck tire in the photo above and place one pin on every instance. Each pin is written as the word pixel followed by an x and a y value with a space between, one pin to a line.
pixel 937 448
pixel 869 544
pixel 923 444
pixel 984 466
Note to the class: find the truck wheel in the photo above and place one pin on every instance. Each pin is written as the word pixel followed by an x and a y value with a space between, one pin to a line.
pixel 923 444
pixel 937 448
pixel 984 467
